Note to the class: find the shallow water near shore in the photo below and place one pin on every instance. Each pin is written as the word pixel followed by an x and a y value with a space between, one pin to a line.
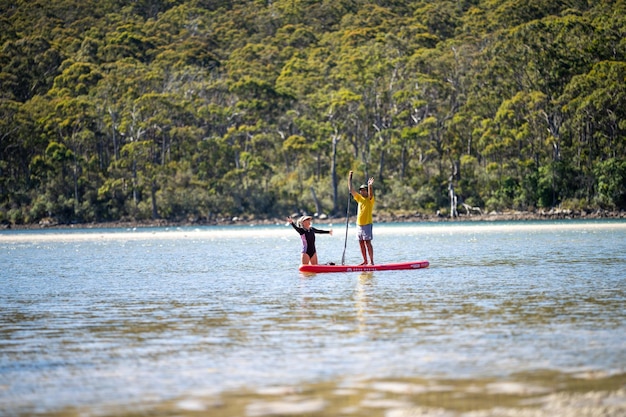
pixel 510 317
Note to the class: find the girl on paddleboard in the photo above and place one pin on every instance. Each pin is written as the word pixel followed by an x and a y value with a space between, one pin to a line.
pixel 307 234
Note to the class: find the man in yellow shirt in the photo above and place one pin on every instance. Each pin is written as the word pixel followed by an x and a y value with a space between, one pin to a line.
pixel 364 222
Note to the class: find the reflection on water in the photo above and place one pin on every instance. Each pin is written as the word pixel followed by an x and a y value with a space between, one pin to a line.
pixel 363 286
pixel 218 321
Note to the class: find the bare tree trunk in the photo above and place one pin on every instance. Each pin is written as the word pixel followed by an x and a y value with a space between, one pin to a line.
pixel 453 201
pixel 135 197
pixel 75 172
pixel 318 206
pixel 453 197
pixel 153 190
pixel 333 172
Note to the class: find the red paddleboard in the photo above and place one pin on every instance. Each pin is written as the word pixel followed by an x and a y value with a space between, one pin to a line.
pixel 364 268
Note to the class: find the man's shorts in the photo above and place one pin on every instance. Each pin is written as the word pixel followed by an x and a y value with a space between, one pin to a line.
pixel 364 232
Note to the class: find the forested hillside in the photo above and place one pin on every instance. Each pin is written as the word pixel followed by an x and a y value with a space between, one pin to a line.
pixel 194 110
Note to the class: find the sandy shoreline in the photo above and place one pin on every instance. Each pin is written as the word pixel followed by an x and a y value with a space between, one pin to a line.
pixel 378 218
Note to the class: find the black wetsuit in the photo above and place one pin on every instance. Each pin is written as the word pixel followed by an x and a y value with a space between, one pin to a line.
pixel 308 238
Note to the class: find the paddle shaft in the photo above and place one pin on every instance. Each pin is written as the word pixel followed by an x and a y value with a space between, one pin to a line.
pixel 345 242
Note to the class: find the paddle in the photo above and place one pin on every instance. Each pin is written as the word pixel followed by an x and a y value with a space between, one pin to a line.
pixel 345 242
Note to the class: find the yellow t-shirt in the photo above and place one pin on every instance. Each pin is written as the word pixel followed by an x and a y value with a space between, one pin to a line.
pixel 364 212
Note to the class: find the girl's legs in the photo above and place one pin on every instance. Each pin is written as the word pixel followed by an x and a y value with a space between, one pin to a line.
pixel 305 259
pixel 314 259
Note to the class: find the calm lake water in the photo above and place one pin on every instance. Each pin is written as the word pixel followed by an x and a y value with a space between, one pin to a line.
pixel 218 321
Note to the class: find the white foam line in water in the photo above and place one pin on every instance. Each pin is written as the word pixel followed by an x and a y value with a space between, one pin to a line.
pixel 450 228
pixel 286 231
pixel 138 235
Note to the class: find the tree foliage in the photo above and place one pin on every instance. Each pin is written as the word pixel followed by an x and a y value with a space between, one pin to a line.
pixel 192 110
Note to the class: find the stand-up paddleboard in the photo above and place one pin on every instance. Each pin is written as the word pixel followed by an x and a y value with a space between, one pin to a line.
pixel 364 268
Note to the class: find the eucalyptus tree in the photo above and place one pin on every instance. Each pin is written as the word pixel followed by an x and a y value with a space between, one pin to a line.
pixel 354 76
pixel 595 105
pixel 305 76
pixel 28 67
pixel 547 53
pixel 19 144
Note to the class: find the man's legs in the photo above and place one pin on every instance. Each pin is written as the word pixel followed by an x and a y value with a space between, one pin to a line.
pixel 363 251
pixel 370 249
